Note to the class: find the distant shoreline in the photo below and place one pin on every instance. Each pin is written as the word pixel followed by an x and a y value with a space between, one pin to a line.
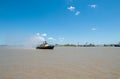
pixel 58 45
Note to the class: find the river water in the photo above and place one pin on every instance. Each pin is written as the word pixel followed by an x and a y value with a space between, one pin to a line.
pixel 60 63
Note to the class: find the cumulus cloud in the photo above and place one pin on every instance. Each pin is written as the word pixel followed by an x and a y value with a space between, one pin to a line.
pixel 37 34
pixel 44 34
pixel 71 8
pixel 77 13
pixel 51 39
pixel 92 6
pixel 93 29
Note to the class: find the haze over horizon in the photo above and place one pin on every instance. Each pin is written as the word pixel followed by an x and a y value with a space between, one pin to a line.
pixel 25 22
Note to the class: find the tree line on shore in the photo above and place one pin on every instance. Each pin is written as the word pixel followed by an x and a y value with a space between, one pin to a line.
pixel 90 45
pixel 81 45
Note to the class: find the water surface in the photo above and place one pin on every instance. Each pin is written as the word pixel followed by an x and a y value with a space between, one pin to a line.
pixel 60 63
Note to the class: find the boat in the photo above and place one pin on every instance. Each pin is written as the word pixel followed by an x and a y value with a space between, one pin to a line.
pixel 45 46
pixel 117 45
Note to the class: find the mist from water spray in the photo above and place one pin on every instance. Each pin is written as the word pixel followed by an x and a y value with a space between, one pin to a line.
pixel 35 40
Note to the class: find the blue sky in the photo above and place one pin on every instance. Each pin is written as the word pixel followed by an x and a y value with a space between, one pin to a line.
pixel 59 21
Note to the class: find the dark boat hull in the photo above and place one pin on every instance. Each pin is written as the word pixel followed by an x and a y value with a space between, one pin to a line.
pixel 47 47
pixel 117 45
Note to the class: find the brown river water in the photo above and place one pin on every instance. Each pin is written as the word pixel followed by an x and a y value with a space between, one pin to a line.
pixel 60 63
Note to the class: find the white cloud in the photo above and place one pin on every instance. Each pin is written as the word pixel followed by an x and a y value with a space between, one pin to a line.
pixel 37 34
pixel 51 39
pixel 44 34
pixel 92 6
pixel 71 8
pixel 93 29
pixel 77 13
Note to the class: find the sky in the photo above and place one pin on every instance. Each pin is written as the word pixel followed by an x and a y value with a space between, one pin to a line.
pixel 30 22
